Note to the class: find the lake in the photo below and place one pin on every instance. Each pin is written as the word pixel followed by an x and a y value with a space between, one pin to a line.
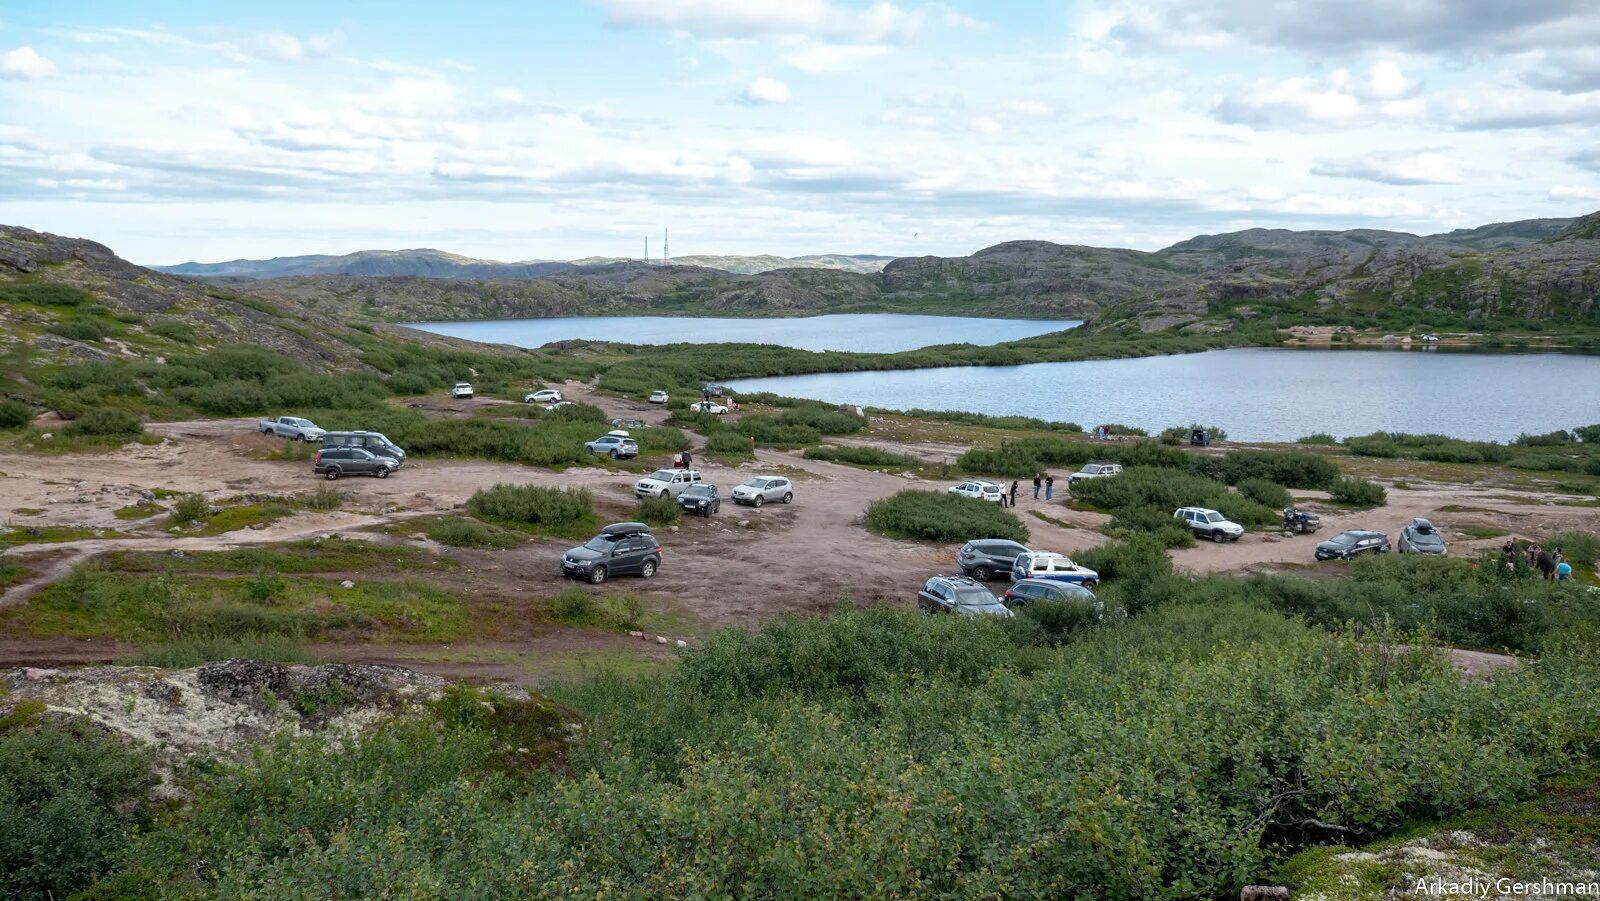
pixel 1255 394
pixel 871 332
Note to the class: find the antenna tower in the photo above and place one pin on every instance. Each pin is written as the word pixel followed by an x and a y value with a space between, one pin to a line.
pixel 664 253
pixel 647 248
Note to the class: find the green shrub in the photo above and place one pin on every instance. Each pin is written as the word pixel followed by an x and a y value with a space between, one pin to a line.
pixel 1317 438
pixel 1149 486
pixel 1182 434
pixel 1157 522
pixel 572 605
pixel 1592 466
pixel 264 586
pixel 941 516
pixel 71 796
pixel 455 531
pixel 1357 492
pixel 83 328
pixel 190 508
pixel 532 504
pixel 983 419
pixel 870 457
pixel 14 414
pixel 1579 548
pixel 196 651
pixel 324 499
pixel 1245 511
pixel 728 444
pixel 44 294
pixel 1265 493
pixel 659 511
pixel 1558 438
pixel 824 419
pixel 174 330
pixel 105 422
pixel 1292 469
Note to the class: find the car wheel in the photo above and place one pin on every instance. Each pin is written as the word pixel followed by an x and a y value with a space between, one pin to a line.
pixel 614 455
pixel 300 437
pixel 982 573
pixel 1091 584
pixel 382 473
pixel 597 575
pixel 331 474
pixel 1218 536
pixel 647 569
pixel 788 496
pixel 759 500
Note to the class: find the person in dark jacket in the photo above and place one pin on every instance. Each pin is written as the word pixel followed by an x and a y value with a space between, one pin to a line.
pixel 1547 565
pixel 1037 482
pixel 1013 494
pixel 1049 486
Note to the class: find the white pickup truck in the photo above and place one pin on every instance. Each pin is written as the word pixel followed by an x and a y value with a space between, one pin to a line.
pixel 292 427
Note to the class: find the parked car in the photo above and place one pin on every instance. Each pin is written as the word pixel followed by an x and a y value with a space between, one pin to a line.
pixel 1420 537
pixel 542 396
pixel 549 408
pixel 979 490
pixel 1020 594
pixel 377 442
pixel 1052 566
pixel 712 390
pixel 622 548
pixel 1207 523
pixel 291 427
pixel 462 391
pixel 628 424
pixel 334 462
pixel 665 483
pixel 659 397
pixel 761 489
pixel 706 406
pixel 959 595
pixel 701 498
pixel 617 447
pixel 1346 545
pixel 982 558
pixel 1094 471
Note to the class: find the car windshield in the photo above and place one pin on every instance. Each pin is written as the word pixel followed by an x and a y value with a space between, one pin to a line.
pixel 1345 539
pixel 600 543
pixel 662 475
pixel 756 483
pixel 698 491
pixel 1214 517
pixel 974 597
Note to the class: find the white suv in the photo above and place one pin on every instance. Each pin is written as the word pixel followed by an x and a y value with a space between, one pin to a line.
pixel 462 391
pixel 1206 523
pixel 979 490
pixel 1094 471
pixel 761 489
pixel 665 483
pixel 542 396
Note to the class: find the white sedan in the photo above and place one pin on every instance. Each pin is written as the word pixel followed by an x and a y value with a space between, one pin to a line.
pixel 545 396
pixel 706 406
pixel 659 397
pixel 979 490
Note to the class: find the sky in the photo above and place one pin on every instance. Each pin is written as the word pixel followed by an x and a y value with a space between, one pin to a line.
pixel 558 129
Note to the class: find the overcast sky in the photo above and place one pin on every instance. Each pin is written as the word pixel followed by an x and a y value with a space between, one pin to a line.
pixel 562 128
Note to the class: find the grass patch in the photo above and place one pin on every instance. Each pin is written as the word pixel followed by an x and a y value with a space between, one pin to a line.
pixel 459 531
pixel 139 511
pixel 575 606
pixel 27 511
pixel 875 458
pixel 196 651
pixel 15 535
pixel 313 555
pixel 1045 517
pixel 1482 532
pixel 231 519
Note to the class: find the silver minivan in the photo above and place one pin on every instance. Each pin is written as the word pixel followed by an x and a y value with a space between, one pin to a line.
pixel 376 442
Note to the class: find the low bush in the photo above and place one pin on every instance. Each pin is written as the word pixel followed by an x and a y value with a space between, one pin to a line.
pixel 44 294
pixel 869 457
pixel 455 531
pixel 1156 522
pixel 1357 492
pixel 174 330
pixel 1142 486
pixel 1292 469
pixel 532 505
pixel 941 516
pixel 1558 438
pixel 1266 493
pixel 105 422
pixel 323 499
pixel 1182 434
pixel 987 421
pixel 196 651
pixel 1322 438
pixel 190 508
pixel 659 511
pixel 1245 511
pixel 574 606
pixel 728 444
pixel 1579 548
pixel 83 328
pixel 14 414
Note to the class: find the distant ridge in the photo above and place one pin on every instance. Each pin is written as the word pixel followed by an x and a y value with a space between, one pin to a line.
pixel 430 263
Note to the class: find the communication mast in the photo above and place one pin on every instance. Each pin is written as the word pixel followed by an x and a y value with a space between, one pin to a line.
pixel 664 253
pixel 647 248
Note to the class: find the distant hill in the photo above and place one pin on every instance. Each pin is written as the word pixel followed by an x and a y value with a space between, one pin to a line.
pixel 428 263
pixel 1539 270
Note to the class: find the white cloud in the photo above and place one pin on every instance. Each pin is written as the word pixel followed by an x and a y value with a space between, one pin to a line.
pixel 1402 168
pixel 1501 107
pixel 25 62
pixel 812 56
pixel 1342 97
pixel 1574 192
pixel 284 48
pixel 766 90
pixel 767 18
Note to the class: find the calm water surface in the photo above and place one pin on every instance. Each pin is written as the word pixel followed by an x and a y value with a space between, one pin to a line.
pixel 1256 394
pixel 875 332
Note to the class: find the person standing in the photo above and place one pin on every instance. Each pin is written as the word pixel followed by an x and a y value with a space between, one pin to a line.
pixel 688 460
pixel 1563 571
pixel 1547 565
pixel 1013 493
pixel 1049 486
pixel 1036 483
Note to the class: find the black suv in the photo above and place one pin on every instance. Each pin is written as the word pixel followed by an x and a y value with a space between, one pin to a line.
pixel 959 595
pixel 701 498
pixel 981 558
pixel 1346 545
pixel 333 462
pixel 622 548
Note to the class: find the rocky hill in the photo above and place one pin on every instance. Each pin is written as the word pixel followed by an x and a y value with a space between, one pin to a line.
pixel 429 263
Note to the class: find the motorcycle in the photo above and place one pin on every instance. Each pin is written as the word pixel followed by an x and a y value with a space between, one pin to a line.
pixel 1299 522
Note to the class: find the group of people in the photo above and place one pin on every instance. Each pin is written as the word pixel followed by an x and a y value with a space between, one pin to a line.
pixel 1043 481
pixel 1549 564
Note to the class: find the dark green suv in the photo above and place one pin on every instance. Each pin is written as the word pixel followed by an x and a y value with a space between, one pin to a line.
pixel 333 462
